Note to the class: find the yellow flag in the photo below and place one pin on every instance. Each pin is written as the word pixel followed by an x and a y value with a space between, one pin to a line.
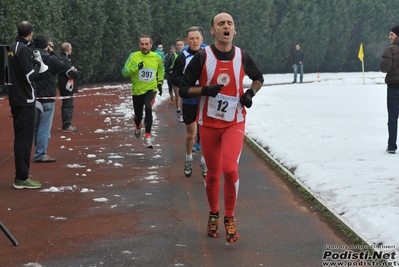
pixel 361 54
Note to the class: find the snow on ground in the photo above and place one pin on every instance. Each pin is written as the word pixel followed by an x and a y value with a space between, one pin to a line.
pixel 333 134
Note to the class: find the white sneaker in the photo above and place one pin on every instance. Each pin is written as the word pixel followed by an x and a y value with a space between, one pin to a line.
pixel 180 119
pixel 179 116
pixel 148 142
pixel 137 133
pixel 188 168
pixel 204 169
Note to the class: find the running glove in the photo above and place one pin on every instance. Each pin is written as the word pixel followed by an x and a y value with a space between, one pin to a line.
pixel 211 90
pixel 246 98
pixel 140 65
pixel 160 89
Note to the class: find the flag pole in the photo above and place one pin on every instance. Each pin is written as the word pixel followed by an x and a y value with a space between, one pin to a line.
pixel 363 70
pixel 361 57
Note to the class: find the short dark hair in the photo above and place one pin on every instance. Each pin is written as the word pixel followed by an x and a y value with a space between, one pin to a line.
pixel 25 28
pixel 202 31
pixel 194 29
pixel 146 36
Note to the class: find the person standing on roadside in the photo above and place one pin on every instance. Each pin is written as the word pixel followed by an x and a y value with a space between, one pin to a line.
pixel 146 71
pixel 298 56
pixel 23 70
pixel 68 87
pixel 179 45
pixel 389 64
pixel 46 92
pixel 220 70
pixel 194 40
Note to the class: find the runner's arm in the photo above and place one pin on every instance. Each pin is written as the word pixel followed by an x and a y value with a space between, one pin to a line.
pixel 191 76
pixel 253 72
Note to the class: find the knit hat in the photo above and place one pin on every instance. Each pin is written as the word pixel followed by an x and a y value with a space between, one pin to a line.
pixel 395 30
pixel 41 41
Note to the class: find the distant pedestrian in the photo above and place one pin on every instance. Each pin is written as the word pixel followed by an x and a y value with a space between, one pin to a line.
pixel 216 74
pixel 22 97
pixel 298 57
pixel 390 65
pixel 159 51
pixel 168 64
pixel 179 45
pixel 146 71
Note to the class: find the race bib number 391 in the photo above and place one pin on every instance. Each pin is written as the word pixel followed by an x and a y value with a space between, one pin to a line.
pixel 146 75
pixel 222 107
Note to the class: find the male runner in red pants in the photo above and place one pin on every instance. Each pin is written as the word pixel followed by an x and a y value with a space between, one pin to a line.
pixel 220 70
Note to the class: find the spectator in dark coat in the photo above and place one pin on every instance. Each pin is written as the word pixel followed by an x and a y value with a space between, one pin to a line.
pixel 298 56
pixel 390 65
pixel 68 86
pixel 46 92
pixel 22 97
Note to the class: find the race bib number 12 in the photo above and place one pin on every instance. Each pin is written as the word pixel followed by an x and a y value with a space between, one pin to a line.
pixel 222 107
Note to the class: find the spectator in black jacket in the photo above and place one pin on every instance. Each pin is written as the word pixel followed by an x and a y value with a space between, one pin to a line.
pixel 68 86
pixel 46 92
pixel 298 57
pixel 22 97
pixel 390 65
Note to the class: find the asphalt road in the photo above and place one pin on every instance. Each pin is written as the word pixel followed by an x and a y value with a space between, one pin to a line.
pixel 121 204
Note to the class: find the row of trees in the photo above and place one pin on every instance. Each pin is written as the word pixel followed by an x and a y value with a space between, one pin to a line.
pixel 104 32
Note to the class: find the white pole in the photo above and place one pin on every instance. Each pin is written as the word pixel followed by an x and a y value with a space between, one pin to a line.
pixel 363 70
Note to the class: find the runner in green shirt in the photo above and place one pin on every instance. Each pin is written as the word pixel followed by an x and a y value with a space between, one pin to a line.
pixel 145 69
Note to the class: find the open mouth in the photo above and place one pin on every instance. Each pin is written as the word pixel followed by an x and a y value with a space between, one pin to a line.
pixel 227 33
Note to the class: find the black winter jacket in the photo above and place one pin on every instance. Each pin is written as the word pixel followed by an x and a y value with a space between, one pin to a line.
pixel 22 74
pixel 298 56
pixel 46 83
pixel 389 63
pixel 64 76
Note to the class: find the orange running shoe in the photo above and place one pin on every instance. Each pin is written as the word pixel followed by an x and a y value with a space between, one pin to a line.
pixel 213 225
pixel 231 231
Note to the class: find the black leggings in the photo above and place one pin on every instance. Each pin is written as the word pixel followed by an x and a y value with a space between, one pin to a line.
pixel 144 101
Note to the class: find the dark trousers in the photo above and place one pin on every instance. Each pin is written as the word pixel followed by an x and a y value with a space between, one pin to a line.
pixel 24 127
pixel 144 101
pixel 169 81
pixel 393 112
pixel 67 112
